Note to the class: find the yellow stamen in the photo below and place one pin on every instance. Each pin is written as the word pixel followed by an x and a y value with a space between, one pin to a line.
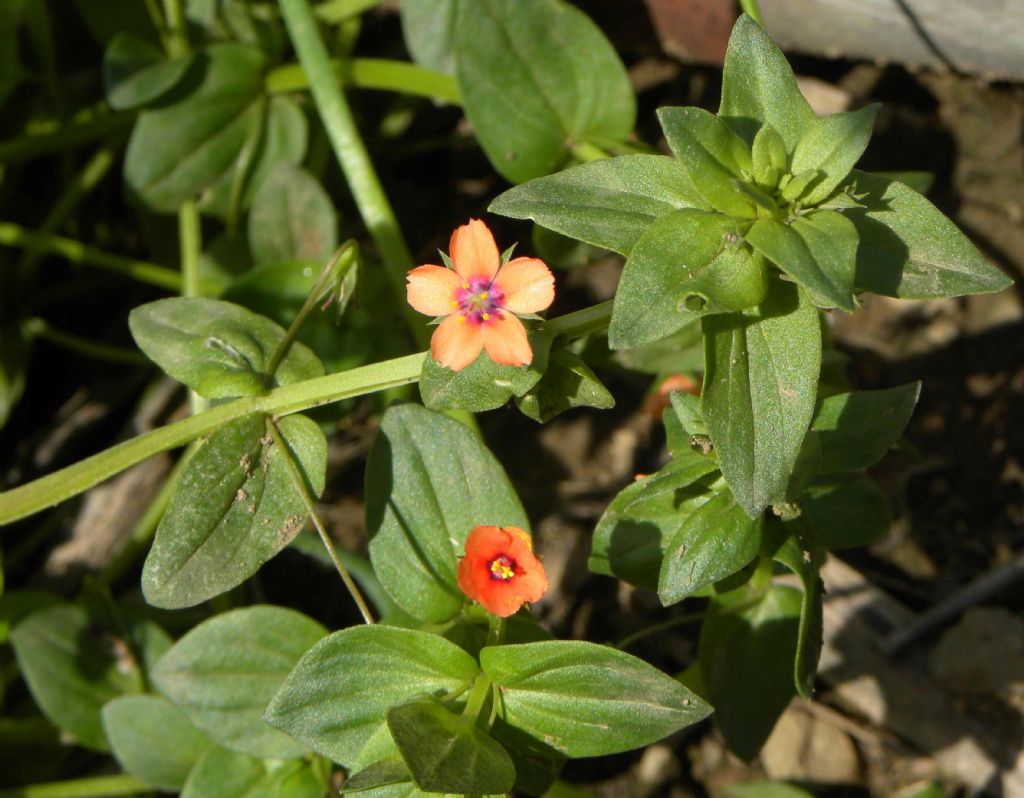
pixel 455 303
pixel 483 295
pixel 465 285
pixel 487 317
pixel 462 319
pixel 502 571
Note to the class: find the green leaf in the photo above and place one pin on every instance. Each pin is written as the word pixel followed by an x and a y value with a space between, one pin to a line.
pixel 686 263
pixel 153 740
pixel 73 666
pixel 227 774
pixel 537 765
pixel 632 535
pixel 805 252
pixel 527 94
pixel 234 507
pixel 217 348
pixel 429 481
pixel 909 249
pixel 428 27
pixel 225 671
pixel 713 155
pixel 717 540
pixel 803 557
pixel 292 219
pixel 483 385
pixel 758 87
pixel 760 384
pixel 686 409
pixel 831 146
pixel 187 143
pixel 846 511
pixel 584 699
pixel 769 160
pixel 282 135
pixel 447 753
pixel 607 203
pixel 136 72
pixel 384 773
pixel 567 383
pixel 858 428
pixel 336 698
pixel 746 661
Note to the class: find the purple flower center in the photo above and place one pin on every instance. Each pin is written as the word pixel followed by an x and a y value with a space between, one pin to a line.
pixel 502 568
pixel 479 301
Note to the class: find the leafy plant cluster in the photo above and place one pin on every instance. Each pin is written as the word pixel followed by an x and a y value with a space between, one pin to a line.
pixel 737 247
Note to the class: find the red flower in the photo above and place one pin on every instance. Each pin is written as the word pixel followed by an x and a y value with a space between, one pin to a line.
pixel 479 296
pixel 500 570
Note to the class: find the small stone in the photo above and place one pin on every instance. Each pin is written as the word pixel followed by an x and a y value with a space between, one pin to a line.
pixel 803 747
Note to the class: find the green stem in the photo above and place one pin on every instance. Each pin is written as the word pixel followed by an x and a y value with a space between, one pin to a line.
pixel 40 328
pixel 85 127
pixel 74 479
pixel 94 787
pixel 477 698
pixel 681 620
pixel 177 33
pixel 334 11
pixel 84 182
pixel 351 153
pixel 190 241
pixel 14 235
pixel 750 8
pixel 586 151
pixel 372 73
pixel 302 486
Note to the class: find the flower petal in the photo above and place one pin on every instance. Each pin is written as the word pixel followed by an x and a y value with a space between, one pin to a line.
pixel 473 251
pixel 456 342
pixel 505 340
pixel 527 284
pixel 431 289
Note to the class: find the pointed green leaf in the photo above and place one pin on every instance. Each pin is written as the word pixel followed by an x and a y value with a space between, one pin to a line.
pixel 712 154
pixel 336 698
pixel 217 348
pixel 831 147
pixel 760 385
pixel 527 94
pixel 687 263
pixel 153 740
pixel 567 383
pixel 746 661
pixel 384 773
pixel 227 774
pixel 803 249
pixel 187 143
pixel 447 753
pixel 225 671
pixel 136 72
pixel 292 219
pixel 632 536
pixel 909 249
pixel 234 507
pixel 717 540
pixel 858 428
pixel 429 481
pixel 608 203
pixel 588 700
pixel 769 160
pixel 846 511
pixel 758 87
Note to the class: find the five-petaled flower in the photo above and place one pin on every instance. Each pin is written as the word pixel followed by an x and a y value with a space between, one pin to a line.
pixel 479 296
pixel 500 569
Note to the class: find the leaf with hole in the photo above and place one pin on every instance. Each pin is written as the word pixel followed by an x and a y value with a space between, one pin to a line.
pixel 429 481
pixel 234 507
pixel 217 348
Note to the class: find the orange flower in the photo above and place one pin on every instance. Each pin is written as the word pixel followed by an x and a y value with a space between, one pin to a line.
pixel 479 296
pixel 500 570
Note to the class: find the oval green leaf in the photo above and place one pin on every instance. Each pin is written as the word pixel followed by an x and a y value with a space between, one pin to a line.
pixel 831 146
pixel 225 671
pixel 583 699
pixel 292 219
pixel 567 383
pixel 136 72
pixel 527 94
pixel 336 698
pixel 234 507
pixel 429 481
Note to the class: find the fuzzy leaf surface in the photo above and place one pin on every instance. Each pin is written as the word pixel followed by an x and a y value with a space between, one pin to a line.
pixel 858 428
